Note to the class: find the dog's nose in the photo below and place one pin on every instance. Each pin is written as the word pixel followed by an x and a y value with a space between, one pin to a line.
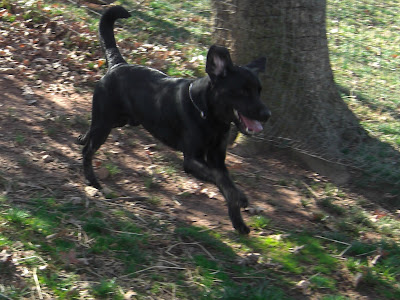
pixel 265 114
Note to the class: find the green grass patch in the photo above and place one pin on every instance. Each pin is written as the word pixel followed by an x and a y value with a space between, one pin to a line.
pixel 323 282
pixel 259 222
pixel 62 286
pixel 363 43
pixel 112 169
pixel 108 289
pixel 207 238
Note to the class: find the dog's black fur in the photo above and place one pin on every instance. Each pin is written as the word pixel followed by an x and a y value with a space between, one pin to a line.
pixel 192 116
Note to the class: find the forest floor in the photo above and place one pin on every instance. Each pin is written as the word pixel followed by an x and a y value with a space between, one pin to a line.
pixel 159 233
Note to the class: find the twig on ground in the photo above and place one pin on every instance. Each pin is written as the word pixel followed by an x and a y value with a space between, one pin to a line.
pixel 93 272
pixel 366 253
pixel 129 198
pixel 310 190
pixel 339 242
pixel 345 250
pixel 169 262
pixel 36 280
pixel 252 277
pixel 198 244
pixel 125 232
pixel 328 239
pixel 151 268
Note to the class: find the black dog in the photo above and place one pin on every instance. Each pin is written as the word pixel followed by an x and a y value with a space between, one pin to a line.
pixel 192 116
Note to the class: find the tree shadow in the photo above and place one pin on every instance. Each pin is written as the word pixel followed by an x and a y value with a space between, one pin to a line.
pixel 40 161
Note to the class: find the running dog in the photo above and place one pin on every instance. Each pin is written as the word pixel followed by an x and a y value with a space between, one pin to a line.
pixel 190 115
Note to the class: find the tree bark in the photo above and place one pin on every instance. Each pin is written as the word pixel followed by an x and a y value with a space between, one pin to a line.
pixel 298 85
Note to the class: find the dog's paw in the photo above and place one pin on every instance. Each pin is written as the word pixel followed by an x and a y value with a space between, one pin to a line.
pixel 236 218
pixel 242 199
pixel 81 139
pixel 242 228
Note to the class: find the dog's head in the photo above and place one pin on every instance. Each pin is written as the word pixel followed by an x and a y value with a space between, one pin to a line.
pixel 235 91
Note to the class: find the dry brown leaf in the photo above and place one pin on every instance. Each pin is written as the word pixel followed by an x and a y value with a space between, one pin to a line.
pixel 70 258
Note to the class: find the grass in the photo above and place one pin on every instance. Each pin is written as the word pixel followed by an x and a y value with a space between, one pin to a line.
pixel 108 289
pixel 363 39
pixel 213 264
pixel 104 249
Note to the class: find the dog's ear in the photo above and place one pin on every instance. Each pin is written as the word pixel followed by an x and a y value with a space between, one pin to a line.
pixel 258 65
pixel 219 62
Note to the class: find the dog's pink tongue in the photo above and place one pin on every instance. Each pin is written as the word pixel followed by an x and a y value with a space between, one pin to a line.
pixel 253 125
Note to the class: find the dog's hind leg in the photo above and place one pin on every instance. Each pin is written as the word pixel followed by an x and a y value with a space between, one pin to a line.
pixel 94 139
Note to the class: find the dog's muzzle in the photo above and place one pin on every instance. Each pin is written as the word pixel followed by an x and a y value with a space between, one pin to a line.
pixel 251 126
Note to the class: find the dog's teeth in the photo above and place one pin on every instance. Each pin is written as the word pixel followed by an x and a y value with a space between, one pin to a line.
pixel 249 131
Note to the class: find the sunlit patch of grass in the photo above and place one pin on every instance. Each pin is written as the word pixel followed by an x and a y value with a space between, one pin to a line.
pixel 108 289
pixel 383 273
pixel 335 297
pixel 211 276
pixel 112 168
pixel 123 237
pixel 208 275
pixel 259 222
pixel 154 200
pixel 323 282
pixel 62 286
pixel 275 248
pixel 388 226
pixel 40 223
pixel 314 253
pixel 363 42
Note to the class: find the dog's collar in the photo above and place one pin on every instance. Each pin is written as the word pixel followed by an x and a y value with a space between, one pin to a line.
pixel 202 115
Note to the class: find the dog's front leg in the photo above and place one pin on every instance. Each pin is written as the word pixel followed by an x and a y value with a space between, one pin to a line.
pixel 199 169
pixel 235 199
pixel 220 177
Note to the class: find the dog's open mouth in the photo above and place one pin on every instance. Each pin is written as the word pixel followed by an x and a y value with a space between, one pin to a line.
pixel 246 125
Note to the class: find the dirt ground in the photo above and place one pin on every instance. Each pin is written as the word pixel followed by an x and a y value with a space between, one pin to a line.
pixel 39 155
pixel 43 110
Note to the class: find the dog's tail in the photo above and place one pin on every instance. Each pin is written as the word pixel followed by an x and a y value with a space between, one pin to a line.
pixel 106 32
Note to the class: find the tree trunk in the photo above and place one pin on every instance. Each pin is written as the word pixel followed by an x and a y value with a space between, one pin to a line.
pixel 298 85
